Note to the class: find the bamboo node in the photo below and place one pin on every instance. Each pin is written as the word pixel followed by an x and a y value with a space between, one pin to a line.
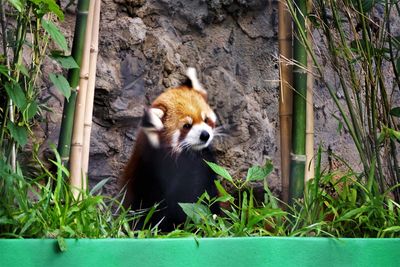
pixel 85 76
pixel 77 144
pixel 94 50
pixel 300 70
pixel 297 157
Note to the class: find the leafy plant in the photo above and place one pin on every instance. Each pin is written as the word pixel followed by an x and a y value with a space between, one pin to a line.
pixel 339 205
pixel 360 49
pixel 243 216
pixel 335 204
pixel 29 32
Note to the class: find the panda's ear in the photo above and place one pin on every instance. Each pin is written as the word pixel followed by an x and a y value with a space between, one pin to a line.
pixel 152 125
pixel 194 82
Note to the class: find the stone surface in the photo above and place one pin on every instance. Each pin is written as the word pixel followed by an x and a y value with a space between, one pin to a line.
pixel 145 47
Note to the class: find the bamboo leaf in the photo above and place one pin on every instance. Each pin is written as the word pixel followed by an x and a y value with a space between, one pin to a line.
pixel 354 213
pixel 360 46
pixel 220 171
pixel 55 34
pixel 98 186
pixel 18 4
pixel 30 111
pixel 395 112
pixel 393 134
pixel 16 93
pixel 62 84
pixel 366 5
pixel 22 69
pixel 392 229
pixel 18 133
pixel 4 70
pixel 67 62
pixel 49 6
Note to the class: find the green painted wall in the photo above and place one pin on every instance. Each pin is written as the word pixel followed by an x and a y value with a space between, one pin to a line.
pixel 203 252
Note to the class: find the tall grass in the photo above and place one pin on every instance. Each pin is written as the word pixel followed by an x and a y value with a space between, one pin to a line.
pixel 44 207
pixel 359 48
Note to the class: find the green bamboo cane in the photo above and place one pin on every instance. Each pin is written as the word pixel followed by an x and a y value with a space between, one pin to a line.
pixel 286 93
pixel 298 157
pixel 64 141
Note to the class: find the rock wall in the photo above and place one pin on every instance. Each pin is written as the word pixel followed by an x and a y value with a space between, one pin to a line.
pixel 145 47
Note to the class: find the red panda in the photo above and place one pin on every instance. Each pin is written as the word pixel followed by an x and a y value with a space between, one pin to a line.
pixel 167 165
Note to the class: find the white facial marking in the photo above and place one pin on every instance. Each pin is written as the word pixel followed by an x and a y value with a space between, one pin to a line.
pixel 153 138
pixel 193 136
pixel 188 120
pixel 203 115
pixel 192 75
pixel 155 118
pixel 175 139
pixel 212 116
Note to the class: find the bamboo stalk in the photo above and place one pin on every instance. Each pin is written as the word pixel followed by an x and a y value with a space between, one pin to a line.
pixel 91 88
pixel 286 94
pixel 78 182
pixel 64 140
pixel 309 171
pixel 10 102
pixel 298 158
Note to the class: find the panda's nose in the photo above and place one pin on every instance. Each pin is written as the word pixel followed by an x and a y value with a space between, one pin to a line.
pixel 204 136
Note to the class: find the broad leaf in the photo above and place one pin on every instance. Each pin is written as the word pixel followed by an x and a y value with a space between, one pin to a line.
pixel 18 133
pixel 16 94
pixel 220 171
pixel 62 84
pixel 55 34
pixel 195 211
pixel 258 173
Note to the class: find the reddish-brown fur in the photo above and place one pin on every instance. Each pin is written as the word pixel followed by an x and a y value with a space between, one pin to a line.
pixel 177 104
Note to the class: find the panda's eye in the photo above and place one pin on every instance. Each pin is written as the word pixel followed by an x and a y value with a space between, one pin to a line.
pixel 187 126
pixel 206 120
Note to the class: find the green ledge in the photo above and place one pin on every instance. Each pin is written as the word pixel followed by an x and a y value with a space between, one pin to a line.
pixel 205 252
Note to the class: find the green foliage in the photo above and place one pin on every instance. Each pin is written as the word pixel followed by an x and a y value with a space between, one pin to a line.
pixel 342 205
pixel 334 205
pixel 19 76
pixel 243 216
pixel 55 34
pixel 44 207
pixel 62 84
